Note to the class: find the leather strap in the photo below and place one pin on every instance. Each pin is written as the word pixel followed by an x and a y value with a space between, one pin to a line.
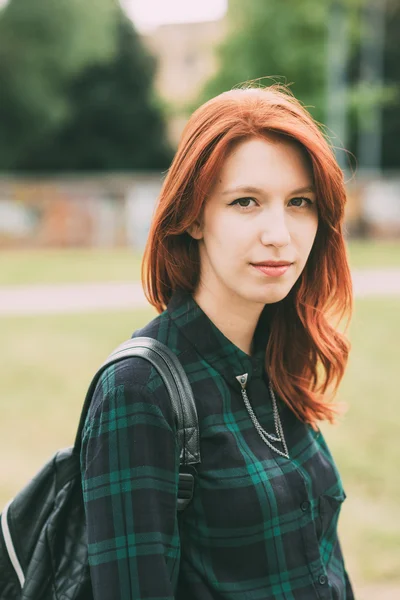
pixel 176 382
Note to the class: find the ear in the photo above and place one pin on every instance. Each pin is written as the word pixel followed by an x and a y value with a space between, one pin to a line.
pixel 195 231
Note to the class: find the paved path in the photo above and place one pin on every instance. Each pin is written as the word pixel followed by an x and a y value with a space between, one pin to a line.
pixel 378 592
pixel 70 298
pixel 376 282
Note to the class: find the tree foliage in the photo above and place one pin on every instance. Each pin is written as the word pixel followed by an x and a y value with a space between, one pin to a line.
pixel 274 42
pixel 114 120
pixel 391 113
pixel 76 89
pixel 286 41
pixel 42 44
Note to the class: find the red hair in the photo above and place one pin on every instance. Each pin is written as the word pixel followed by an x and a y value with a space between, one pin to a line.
pixel 306 355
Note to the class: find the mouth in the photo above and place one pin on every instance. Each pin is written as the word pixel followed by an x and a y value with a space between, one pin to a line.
pixel 273 263
pixel 272 269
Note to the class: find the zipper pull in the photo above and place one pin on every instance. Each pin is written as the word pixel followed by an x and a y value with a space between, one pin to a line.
pixel 242 379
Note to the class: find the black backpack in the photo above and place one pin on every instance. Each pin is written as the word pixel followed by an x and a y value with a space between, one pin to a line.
pixel 43 547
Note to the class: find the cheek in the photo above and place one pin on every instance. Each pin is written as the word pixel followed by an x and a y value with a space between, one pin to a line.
pixel 307 237
pixel 223 231
pixel 303 235
pixel 313 230
pixel 307 227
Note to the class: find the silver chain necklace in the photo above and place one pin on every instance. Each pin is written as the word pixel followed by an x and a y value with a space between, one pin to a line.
pixel 265 436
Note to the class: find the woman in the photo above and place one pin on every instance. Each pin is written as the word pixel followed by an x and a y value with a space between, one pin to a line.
pixel 246 264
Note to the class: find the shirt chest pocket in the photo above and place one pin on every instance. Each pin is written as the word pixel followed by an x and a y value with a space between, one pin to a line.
pixel 329 506
pixel 324 486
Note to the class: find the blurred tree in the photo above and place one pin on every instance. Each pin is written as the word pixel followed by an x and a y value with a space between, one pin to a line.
pixel 115 121
pixel 365 95
pixel 282 40
pixel 391 112
pixel 42 45
pixel 287 42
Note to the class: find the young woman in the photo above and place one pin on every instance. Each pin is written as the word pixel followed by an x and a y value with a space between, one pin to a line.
pixel 246 264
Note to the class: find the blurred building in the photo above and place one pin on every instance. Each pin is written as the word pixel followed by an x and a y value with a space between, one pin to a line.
pixel 186 59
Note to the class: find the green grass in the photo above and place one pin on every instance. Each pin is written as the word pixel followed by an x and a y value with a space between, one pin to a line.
pixel 373 254
pixel 122 264
pixel 365 442
pixel 44 375
pixel 49 361
pixel 68 265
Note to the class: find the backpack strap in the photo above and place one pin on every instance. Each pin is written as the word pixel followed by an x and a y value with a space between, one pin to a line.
pixel 182 401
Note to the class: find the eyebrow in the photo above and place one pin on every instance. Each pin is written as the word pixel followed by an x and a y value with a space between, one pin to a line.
pixel 255 190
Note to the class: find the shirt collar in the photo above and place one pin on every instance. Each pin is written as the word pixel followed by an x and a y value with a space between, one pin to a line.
pixel 224 356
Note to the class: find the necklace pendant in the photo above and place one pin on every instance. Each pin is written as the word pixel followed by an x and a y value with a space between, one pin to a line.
pixel 242 379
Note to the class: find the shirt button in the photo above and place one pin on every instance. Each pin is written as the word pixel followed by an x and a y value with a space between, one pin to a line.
pixel 323 579
pixel 305 506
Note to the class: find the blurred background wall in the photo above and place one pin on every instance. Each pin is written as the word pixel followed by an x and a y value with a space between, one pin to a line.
pixel 115 209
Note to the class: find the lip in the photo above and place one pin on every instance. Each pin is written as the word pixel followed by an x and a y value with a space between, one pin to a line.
pixel 272 263
pixel 274 271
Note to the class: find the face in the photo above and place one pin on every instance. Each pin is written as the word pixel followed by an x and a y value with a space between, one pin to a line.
pixel 262 208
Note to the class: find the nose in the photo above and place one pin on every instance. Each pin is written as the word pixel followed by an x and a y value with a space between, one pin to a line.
pixel 275 231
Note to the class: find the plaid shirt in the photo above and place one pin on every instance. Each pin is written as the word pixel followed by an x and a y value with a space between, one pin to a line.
pixel 259 526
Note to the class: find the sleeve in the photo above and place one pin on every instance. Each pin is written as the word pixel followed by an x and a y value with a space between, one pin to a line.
pixel 348 586
pixel 349 589
pixel 130 472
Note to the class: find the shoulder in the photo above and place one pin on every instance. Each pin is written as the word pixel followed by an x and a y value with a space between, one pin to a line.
pixel 163 329
pixel 136 371
pixel 134 380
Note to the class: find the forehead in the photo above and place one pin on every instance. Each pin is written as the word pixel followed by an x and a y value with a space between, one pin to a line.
pixel 266 163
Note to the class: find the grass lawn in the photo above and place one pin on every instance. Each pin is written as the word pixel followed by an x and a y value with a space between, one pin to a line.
pixel 122 264
pixel 74 265
pixel 365 443
pixel 374 254
pixel 49 361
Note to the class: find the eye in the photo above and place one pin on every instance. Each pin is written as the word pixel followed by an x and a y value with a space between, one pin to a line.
pixel 301 198
pixel 240 200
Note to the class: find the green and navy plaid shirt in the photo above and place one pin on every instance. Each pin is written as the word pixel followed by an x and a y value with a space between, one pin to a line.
pixel 260 526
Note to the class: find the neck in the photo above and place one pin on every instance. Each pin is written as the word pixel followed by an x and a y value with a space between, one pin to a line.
pixel 235 317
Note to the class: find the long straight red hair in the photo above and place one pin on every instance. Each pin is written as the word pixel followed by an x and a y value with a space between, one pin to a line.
pixel 306 354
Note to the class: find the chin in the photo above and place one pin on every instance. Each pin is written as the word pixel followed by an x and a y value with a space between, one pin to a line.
pixel 273 296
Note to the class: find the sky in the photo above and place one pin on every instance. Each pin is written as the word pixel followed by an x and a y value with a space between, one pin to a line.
pixel 148 14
